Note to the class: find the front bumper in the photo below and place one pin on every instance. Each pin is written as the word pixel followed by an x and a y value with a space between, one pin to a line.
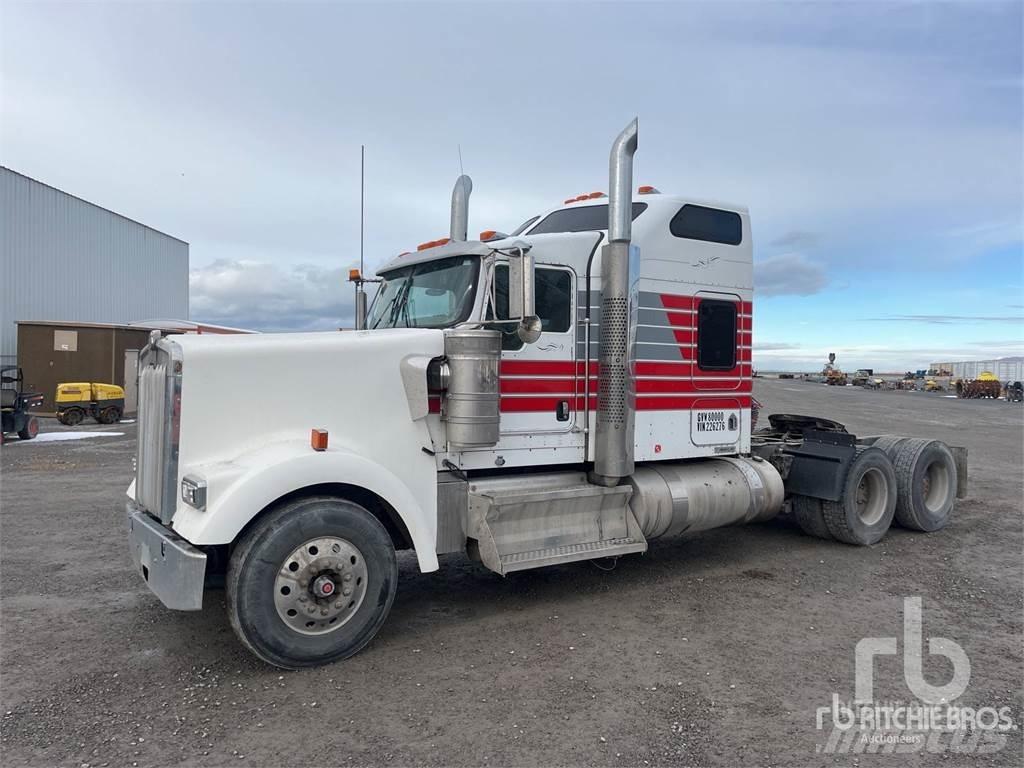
pixel 173 568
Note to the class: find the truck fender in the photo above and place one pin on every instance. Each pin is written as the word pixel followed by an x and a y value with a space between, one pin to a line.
pixel 240 490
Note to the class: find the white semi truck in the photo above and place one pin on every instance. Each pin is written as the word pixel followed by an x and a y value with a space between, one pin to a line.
pixel 566 392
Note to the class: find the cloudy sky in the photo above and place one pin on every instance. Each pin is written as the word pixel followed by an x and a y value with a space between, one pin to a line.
pixel 878 146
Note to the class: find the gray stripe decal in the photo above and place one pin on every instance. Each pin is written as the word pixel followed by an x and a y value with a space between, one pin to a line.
pixel 649 300
pixel 670 352
pixel 660 335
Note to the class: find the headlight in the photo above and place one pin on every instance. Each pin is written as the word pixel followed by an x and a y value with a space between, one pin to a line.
pixel 193 491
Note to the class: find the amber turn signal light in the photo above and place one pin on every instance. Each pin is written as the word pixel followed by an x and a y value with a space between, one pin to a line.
pixel 318 439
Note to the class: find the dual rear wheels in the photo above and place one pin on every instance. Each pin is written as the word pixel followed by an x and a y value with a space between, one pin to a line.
pixel 908 480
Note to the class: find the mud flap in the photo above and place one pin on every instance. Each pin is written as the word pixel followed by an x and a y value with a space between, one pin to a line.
pixel 820 464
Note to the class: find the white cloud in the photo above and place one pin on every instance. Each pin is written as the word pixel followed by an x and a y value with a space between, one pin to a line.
pixel 271 297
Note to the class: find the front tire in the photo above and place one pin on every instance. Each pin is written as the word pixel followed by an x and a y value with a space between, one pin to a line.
pixel 30 430
pixel 311 583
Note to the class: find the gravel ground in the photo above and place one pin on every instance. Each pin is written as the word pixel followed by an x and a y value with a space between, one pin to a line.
pixel 711 651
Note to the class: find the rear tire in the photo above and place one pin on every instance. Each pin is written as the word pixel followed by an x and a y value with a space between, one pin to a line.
pixel 30 430
pixel 109 415
pixel 868 502
pixel 810 516
pixel 276 582
pixel 926 482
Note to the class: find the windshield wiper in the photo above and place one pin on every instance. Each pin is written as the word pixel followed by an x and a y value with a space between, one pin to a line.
pixel 383 312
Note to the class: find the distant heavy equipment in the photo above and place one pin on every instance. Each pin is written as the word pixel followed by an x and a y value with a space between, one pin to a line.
pixel 1015 392
pixel 986 385
pixel 862 377
pixel 76 400
pixel 834 377
pixel 15 404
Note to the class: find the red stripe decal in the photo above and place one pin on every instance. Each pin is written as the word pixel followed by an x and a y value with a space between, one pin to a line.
pixel 671 301
pixel 689 403
pixel 541 404
pixel 538 367
pixel 650 386
pixel 530 386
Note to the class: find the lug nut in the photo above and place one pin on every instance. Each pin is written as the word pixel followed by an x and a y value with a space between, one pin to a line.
pixel 348 577
pixel 346 591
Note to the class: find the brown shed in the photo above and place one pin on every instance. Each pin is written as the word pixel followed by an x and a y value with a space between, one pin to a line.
pixel 53 352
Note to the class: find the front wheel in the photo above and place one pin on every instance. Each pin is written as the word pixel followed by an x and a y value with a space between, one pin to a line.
pixel 312 582
pixel 30 430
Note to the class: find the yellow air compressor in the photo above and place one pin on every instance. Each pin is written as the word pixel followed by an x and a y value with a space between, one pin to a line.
pixel 76 400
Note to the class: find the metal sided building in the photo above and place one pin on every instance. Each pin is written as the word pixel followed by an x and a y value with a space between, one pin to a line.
pixel 65 259
pixel 1004 368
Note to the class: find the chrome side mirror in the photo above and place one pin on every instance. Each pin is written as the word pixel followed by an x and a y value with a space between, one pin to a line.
pixel 522 295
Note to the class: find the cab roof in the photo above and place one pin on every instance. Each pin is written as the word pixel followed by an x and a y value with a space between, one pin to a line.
pixel 653 201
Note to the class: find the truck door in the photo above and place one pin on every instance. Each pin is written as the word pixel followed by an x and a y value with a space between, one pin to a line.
pixel 538 381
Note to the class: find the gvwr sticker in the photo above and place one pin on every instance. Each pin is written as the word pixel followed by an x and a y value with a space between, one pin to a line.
pixel 712 421
pixel 715 426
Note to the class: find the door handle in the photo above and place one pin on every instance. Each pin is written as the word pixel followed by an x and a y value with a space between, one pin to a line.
pixel 562 410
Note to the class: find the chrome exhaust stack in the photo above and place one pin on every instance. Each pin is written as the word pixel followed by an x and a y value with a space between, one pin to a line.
pixel 460 208
pixel 613 447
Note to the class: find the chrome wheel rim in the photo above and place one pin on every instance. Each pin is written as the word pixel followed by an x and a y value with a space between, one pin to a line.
pixel 320 585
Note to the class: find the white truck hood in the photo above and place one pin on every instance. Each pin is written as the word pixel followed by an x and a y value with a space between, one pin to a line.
pixel 239 392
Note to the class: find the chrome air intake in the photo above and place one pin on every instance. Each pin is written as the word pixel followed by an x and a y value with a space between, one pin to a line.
pixel 471 401
pixel 613 434
pixel 460 208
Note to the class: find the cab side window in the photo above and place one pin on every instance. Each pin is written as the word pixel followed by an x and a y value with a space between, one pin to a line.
pixel 553 300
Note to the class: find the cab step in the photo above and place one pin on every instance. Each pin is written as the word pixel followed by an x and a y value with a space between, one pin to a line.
pixel 521 561
pixel 547 519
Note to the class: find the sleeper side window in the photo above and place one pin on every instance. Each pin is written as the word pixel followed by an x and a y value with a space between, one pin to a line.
pixel 712 225
pixel 716 335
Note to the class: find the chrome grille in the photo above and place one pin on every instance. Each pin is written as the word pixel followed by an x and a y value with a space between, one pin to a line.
pixel 149 467
pixel 156 465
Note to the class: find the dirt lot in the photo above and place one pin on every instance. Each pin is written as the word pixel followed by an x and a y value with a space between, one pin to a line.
pixel 711 651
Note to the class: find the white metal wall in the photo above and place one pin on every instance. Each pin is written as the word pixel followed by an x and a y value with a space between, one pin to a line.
pixel 62 258
pixel 1007 369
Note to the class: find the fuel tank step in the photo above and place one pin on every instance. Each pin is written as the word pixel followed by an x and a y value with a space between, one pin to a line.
pixel 529 522
pixel 521 561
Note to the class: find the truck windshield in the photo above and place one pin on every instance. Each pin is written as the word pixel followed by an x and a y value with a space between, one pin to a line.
pixel 432 294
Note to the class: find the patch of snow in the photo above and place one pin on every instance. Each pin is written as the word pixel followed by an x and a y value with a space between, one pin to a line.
pixel 58 437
